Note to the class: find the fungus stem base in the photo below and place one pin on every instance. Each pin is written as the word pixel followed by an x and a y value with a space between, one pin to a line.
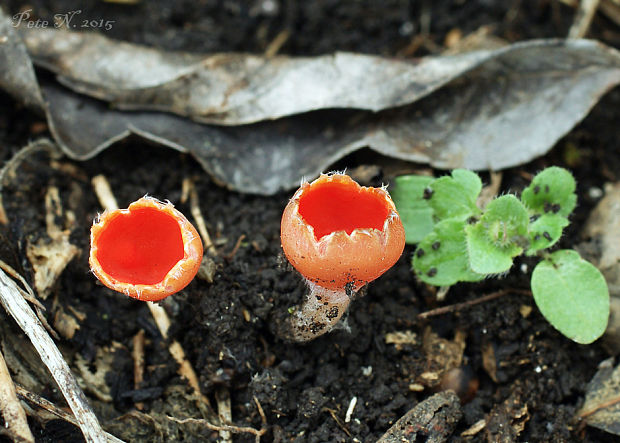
pixel 320 312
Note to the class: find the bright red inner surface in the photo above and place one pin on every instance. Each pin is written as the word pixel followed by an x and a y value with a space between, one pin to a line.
pixel 335 206
pixel 140 247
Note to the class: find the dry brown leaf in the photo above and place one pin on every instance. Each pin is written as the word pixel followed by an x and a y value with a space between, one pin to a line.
pixel 442 355
pixel 489 362
pixel 601 408
pixel 49 257
pixel 602 230
pixel 234 89
pixel 94 382
pixel 471 110
pixel 65 324
pixel 432 420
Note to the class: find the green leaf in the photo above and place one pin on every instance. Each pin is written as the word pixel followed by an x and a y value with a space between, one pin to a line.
pixel 455 196
pixel 551 192
pixel 441 257
pixel 572 295
pixel 415 211
pixel 545 231
pixel 493 241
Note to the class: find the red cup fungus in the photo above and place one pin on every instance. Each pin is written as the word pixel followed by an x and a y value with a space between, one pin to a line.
pixel 147 251
pixel 339 236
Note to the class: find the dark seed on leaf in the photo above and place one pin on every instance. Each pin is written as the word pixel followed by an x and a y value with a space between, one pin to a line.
pixel 536 189
pixel 432 272
pixel 547 236
pixel 534 217
pixel 471 220
pixel 428 193
pixel 536 237
pixel 435 245
pixel 556 208
pixel 547 188
pixel 547 207
pixel 419 252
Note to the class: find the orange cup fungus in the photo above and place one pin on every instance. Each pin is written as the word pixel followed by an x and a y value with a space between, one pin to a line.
pixel 147 251
pixel 339 234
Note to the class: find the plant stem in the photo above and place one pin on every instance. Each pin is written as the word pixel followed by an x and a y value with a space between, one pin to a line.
pixel 459 306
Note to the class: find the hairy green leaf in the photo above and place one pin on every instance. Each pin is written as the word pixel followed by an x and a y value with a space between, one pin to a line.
pixel 552 191
pixel 441 257
pixel 497 237
pixel 572 295
pixel 415 211
pixel 455 195
pixel 545 231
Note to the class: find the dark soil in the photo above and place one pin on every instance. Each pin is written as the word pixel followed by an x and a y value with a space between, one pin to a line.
pixel 228 327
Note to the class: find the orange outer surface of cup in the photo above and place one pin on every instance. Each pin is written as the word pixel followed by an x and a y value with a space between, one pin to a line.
pixel 340 260
pixel 177 277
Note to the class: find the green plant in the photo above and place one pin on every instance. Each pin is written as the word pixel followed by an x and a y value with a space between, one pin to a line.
pixel 459 241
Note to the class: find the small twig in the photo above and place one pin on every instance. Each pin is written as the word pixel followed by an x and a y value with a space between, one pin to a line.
pixel 611 8
pixel 222 397
pixel 229 428
pixel 104 193
pixel 350 409
pixel 611 402
pixel 194 206
pixel 467 304
pixel 137 354
pixel 490 191
pixel 12 410
pixel 29 296
pixel 232 253
pixel 50 407
pixel 16 306
pixel 583 18
pixel 338 421
pixel 176 350
pixel 260 412
pixel 276 44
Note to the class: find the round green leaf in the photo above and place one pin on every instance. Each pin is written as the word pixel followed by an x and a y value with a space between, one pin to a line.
pixel 455 195
pixel 545 231
pixel 495 239
pixel 572 295
pixel 441 257
pixel 415 212
pixel 552 191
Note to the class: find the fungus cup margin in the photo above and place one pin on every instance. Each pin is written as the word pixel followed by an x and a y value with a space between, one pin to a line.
pixel 179 275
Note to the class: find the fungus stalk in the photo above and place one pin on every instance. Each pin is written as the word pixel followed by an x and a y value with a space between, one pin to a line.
pixel 339 236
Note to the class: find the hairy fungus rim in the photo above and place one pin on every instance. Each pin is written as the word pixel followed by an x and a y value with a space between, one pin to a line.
pixel 176 278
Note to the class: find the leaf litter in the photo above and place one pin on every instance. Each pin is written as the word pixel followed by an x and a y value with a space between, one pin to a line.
pixel 282 118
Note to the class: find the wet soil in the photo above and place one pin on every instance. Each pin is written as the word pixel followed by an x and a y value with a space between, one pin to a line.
pixel 229 327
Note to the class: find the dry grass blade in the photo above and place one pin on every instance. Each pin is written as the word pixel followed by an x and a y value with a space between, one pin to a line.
pixel 16 306
pixel 12 411
pixel 50 407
